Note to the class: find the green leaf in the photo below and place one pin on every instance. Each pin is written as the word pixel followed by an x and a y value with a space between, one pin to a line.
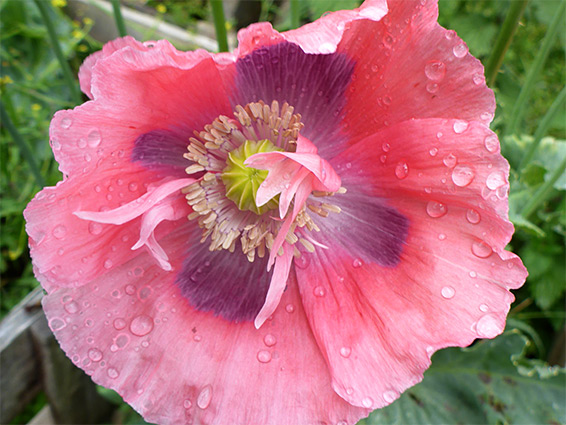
pixel 482 385
pixel 549 155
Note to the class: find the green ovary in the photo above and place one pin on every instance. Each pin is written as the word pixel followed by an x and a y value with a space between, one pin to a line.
pixel 242 182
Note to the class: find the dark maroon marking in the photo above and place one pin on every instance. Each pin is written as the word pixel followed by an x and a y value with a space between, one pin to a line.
pixel 367 228
pixel 314 84
pixel 224 283
pixel 162 150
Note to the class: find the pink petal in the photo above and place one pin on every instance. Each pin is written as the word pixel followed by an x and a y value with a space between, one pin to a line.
pixel 134 209
pixel 407 66
pixel 321 36
pixel 378 326
pixel 138 92
pixel 277 285
pixel 174 365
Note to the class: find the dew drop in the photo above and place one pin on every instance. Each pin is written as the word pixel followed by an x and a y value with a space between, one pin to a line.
pixel 484 308
pixel 141 325
pixel 93 139
pixel 95 354
pixel 264 356
pixel 495 180
pixel 319 291
pixel 71 307
pixel 389 396
pixel 132 187
pixel 462 175
pixel 108 263
pixel 59 232
pixel 441 236
pixel 460 126
pixel 401 170
pixel 481 249
pixel 433 152
pixel 66 299
pixel 473 216
pixel 357 263
pixel 145 293
pixel 302 262
pixel 488 326
pixel 56 324
pixel 367 402
pixel 345 352
pixel 383 158
pixel 491 143
pixel 435 70
pixel 450 160
pixel 197 338
pixel 269 340
pixel 460 50
pixel 386 100
pixel 130 289
pixel 447 292
pixel 204 397
pixel 112 373
pixel 386 147
pixel 66 122
pixel 436 209
pixel 388 40
pixel 94 228
pixel 478 79
pixel 122 340
pixel 431 87
pixel 473 274
pixel 289 308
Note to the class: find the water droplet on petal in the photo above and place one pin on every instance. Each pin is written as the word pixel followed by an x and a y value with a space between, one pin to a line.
pixel 495 180
pixel 473 274
pixel 95 354
pixel 431 87
pixel 389 396
pixel 72 307
pixel 488 326
pixel 473 216
pixel 436 209
pixel 130 289
pixel 450 34
pixel 187 404
pixel 460 50
pixel 204 397
pixel 460 126
pixel 345 352
pixel 301 262
pixel 319 291
pixel 141 325
pixel 401 170
pixel 491 143
pixel 367 402
pixel 264 356
pixel 462 175
pixel 94 228
pixel 433 151
pixel 59 232
pixel 435 70
pixel 484 308
pixel 386 100
pixel 289 308
pixel 66 122
pixel 269 340
pixel 108 263
pixel 93 139
pixel 56 324
pixel 450 160
pixel 441 236
pixel 447 292
pixel 197 338
pixel 388 40
pixel 357 263
pixel 481 249
pixel 478 79
pixel 112 373
pixel 386 147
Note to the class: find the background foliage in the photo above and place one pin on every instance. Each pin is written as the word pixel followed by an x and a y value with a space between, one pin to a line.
pixel 506 380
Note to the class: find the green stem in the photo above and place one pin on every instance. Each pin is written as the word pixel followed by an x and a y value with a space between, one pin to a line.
pixel 534 72
pixel 22 146
pixel 75 93
pixel 219 24
pixel 503 42
pixel 543 191
pixel 543 126
pixel 295 14
pixel 119 18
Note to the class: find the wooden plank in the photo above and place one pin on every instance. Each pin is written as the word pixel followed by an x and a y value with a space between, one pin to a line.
pixel 20 377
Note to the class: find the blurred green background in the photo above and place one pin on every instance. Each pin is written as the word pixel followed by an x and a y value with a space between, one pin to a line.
pixel 516 378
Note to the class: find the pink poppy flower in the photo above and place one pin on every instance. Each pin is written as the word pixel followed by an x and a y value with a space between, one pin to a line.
pixel 282 234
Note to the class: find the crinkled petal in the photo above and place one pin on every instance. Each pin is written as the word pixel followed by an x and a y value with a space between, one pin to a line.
pixel 408 66
pixel 137 92
pixel 378 326
pixel 176 365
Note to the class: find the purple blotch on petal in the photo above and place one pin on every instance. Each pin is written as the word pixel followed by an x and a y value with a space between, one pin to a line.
pixel 224 283
pixel 314 84
pixel 162 150
pixel 367 228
